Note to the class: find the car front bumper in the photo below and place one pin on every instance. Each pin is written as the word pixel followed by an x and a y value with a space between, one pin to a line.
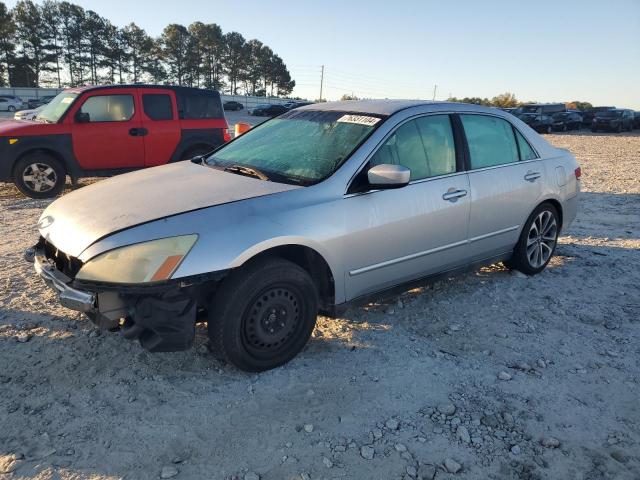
pixel 161 316
pixel 72 298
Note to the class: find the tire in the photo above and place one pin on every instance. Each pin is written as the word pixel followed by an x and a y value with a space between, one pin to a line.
pixel 594 130
pixel 11 108
pixel 619 129
pixel 564 127
pixel 267 293
pixel 549 129
pixel 533 252
pixel 39 175
pixel 195 151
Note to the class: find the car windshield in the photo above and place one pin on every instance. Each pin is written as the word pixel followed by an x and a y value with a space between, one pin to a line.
pixel 53 110
pixel 302 147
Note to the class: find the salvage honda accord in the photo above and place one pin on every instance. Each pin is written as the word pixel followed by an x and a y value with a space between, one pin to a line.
pixel 325 206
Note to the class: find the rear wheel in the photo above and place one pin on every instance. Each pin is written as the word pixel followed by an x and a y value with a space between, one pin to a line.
pixel 537 241
pixel 39 175
pixel 263 314
pixel 619 129
pixel 11 108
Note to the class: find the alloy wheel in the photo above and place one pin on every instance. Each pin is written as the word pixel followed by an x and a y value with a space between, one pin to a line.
pixel 542 238
pixel 39 177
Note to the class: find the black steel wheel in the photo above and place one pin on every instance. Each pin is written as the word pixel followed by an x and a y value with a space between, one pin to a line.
pixel 263 314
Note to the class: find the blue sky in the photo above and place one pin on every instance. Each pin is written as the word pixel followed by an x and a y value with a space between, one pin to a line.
pixel 557 50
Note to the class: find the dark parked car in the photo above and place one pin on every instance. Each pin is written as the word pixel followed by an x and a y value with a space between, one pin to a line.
pixel 267 110
pixel 543 108
pixel 613 120
pixel 540 123
pixel 587 115
pixel 564 121
pixel 38 102
pixel 292 105
pixel 232 105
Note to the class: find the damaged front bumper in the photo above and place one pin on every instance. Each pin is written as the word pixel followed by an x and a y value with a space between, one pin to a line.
pixel 161 317
pixel 70 297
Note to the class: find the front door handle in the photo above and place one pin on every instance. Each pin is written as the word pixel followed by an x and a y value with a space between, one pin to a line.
pixel 453 195
pixel 532 176
pixel 138 132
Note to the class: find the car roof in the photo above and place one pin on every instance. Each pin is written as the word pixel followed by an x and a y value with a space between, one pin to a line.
pixel 175 88
pixel 389 107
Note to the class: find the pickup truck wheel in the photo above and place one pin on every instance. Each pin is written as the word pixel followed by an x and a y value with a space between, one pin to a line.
pixel 39 175
pixel 263 315
pixel 537 242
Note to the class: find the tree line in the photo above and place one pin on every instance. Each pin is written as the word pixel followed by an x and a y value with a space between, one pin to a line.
pixel 60 44
pixel 509 100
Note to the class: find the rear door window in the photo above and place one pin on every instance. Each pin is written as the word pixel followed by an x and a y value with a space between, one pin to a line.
pixel 109 108
pixel 526 152
pixel 157 106
pixel 491 141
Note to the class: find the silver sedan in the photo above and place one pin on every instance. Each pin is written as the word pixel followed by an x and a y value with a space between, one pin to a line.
pixel 325 206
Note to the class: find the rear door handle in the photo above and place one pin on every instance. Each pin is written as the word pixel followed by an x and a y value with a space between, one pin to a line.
pixel 138 132
pixel 453 195
pixel 532 176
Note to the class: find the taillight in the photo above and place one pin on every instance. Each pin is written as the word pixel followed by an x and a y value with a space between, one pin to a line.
pixel 578 173
pixel 225 135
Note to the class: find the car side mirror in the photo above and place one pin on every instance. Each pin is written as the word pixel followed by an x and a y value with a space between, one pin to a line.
pixel 82 117
pixel 387 176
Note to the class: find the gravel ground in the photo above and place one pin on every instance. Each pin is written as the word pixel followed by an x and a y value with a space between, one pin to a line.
pixel 489 375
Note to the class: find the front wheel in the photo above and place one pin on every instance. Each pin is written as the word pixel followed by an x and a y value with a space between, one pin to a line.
pixel 39 175
pixel 537 241
pixel 263 314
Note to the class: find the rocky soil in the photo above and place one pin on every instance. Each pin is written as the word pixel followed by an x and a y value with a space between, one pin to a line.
pixel 489 375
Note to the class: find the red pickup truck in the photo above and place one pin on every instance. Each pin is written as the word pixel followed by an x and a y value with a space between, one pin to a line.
pixel 102 131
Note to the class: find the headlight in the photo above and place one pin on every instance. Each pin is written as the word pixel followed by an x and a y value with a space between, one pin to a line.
pixel 139 263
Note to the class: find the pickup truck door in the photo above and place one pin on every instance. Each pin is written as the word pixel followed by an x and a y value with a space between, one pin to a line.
pixel 161 124
pixel 109 135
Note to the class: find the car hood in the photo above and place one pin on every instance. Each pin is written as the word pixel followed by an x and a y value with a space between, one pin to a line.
pixel 75 221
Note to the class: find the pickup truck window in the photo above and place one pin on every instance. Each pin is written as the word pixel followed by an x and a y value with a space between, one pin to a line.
pixel 157 106
pixel 109 108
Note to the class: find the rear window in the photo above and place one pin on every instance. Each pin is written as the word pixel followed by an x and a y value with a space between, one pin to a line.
pixel 200 105
pixel 157 106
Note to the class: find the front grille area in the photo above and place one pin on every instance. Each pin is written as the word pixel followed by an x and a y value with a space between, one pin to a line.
pixel 67 264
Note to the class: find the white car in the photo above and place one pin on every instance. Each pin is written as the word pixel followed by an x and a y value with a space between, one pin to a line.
pixel 10 103
pixel 27 114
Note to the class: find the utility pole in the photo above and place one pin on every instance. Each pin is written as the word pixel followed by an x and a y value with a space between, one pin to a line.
pixel 435 87
pixel 321 80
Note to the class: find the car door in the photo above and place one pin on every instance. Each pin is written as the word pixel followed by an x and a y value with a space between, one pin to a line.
pixel 160 125
pixel 407 233
pixel 107 130
pixel 505 177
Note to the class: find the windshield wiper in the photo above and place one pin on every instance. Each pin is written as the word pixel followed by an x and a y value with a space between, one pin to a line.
pixel 246 171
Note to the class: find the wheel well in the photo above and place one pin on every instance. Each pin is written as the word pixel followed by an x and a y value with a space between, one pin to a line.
pixel 313 263
pixel 558 208
pixel 53 153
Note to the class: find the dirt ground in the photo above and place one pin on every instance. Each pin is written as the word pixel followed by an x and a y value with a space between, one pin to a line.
pixel 491 375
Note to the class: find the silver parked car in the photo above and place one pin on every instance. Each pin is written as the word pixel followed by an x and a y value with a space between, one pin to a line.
pixel 10 103
pixel 325 206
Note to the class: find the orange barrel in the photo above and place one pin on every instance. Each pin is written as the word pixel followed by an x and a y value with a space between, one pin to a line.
pixel 241 128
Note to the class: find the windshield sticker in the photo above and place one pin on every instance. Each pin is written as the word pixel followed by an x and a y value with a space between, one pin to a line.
pixel 359 119
pixel 67 100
